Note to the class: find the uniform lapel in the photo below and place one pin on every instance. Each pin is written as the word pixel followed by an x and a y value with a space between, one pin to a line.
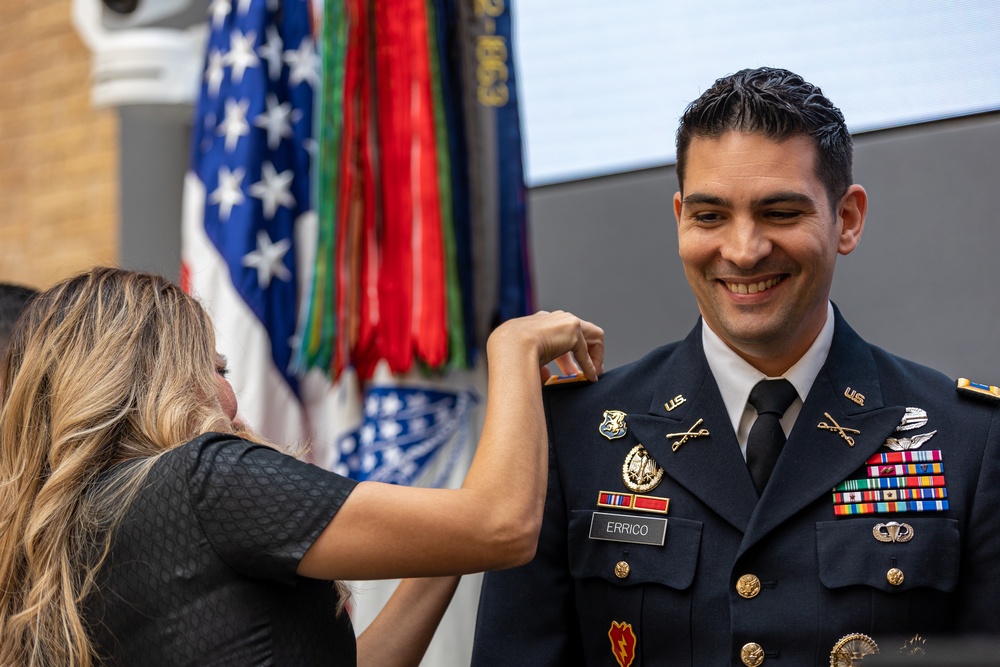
pixel 815 459
pixel 709 466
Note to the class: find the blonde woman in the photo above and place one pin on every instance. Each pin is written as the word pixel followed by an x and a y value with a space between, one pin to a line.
pixel 140 525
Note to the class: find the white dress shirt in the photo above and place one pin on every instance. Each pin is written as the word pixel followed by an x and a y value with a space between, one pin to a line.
pixel 736 377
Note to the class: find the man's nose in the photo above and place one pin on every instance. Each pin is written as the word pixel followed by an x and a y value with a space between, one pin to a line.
pixel 745 244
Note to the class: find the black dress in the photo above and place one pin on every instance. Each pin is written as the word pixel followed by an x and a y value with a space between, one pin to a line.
pixel 202 569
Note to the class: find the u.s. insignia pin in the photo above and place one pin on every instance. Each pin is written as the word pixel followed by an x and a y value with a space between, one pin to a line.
pixel 613 426
pixel 641 472
pixel 622 643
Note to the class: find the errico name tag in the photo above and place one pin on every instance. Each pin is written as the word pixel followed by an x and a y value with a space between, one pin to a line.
pixel 628 528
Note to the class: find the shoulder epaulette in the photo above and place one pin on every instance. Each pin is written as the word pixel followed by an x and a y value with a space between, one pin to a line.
pixel 566 379
pixel 977 390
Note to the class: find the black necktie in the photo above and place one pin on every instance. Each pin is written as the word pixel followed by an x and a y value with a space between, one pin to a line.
pixel 770 398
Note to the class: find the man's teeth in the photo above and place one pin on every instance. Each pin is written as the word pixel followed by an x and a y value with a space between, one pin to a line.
pixel 752 288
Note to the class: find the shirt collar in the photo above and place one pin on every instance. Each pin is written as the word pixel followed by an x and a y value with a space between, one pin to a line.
pixel 736 377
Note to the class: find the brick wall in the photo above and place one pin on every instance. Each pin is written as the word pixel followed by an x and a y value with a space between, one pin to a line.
pixel 58 154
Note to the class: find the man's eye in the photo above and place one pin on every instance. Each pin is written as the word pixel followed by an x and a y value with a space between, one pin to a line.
pixel 781 215
pixel 707 217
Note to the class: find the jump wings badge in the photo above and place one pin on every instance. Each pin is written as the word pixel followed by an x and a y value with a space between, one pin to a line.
pixel 622 643
pixel 613 426
pixel 641 472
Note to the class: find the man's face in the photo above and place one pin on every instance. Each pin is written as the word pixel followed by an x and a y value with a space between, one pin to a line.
pixel 759 242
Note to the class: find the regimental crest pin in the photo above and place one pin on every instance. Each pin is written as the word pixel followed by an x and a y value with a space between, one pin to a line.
pixel 641 472
pixel 622 643
pixel 913 442
pixel 613 426
pixel 914 418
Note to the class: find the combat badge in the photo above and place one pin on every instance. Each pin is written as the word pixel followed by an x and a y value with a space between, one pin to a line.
pixel 849 651
pixel 622 643
pixel 914 418
pixel 613 426
pixel 641 472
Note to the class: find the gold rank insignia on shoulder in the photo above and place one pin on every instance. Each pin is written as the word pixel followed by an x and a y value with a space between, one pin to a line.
pixel 613 426
pixel 851 649
pixel 978 390
pixel 565 379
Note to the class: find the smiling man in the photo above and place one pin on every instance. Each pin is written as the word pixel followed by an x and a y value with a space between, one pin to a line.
pixel 772 490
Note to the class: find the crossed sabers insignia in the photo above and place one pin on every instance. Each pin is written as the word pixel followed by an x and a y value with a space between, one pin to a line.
pixel 687 435
pixel 837 428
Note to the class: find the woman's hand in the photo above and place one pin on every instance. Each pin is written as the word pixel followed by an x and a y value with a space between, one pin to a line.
pixel 574 344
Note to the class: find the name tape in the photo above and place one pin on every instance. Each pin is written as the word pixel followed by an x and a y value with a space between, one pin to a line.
pixel 628 528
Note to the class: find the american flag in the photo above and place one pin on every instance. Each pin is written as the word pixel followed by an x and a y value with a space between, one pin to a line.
pixel 248 210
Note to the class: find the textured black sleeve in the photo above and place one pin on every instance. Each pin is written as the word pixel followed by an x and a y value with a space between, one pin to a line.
pixel 260 509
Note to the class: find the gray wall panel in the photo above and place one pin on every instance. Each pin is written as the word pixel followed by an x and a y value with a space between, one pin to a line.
pixel 923 282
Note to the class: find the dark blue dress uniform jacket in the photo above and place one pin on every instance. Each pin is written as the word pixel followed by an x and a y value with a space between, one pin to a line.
pixel 822 576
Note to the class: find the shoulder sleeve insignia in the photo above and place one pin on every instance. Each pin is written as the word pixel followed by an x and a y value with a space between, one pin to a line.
pixel 566 379
pixel 978 390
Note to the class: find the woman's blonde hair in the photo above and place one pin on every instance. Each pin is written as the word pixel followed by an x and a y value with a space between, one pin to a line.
pixel 106 367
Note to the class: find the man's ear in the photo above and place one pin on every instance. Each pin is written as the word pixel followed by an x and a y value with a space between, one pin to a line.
pixel 677 207
pixel 851 211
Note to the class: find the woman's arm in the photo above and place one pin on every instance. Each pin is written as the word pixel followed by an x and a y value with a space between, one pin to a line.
pixel 399 635
pixel 492 522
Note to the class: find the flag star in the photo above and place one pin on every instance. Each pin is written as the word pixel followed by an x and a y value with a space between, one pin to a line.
pixel 272 189
pixel 348 445
pixel 416 400
pixel 228 194
pixel 215 71
pixel 389 429
pixel 391 405
pixel 219 9
pixel 304 64
pixel 277 120
pixel 241 54
pixel 418 425
pixel 392 456
pixel 268 259
pixel 368 462
pixel 367 435
pixel 271 51
pixel 371 406
pixel 235 124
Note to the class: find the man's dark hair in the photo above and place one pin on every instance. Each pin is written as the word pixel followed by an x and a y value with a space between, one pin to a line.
pixel 780 105
pixel 13 299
